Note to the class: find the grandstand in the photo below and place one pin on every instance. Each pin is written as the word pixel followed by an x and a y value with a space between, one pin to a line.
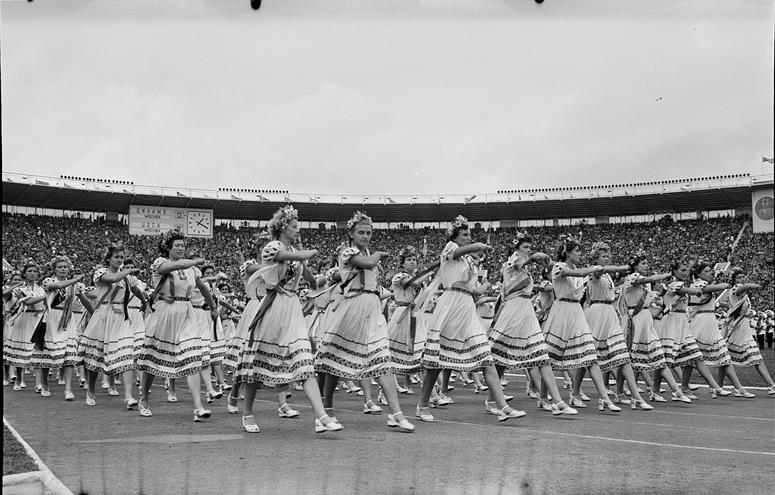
pixel 600 202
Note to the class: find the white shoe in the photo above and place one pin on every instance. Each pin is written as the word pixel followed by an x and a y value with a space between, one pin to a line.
pixel 444 400
pixel 69 396
pixel 422 415
pixel 113 391
pixel 171 397
pixel 603 404
pixel 576 402
pixel 741 392
pixel 286 411
pixel 105 385
pixel 542 405
pixel 563 408
pixel 371 408
pixel 382 399
pixel 490 407
pixel 680 397
pixel 61 381
pixel 249 424
pixel 530 393
pixel 583 396
pixel 399 421
pixel 509 413
pixel 90 400
pixel 201 413
pixel 231 409
pixel 621 399
pixel 656 397
pixel 641 404
pixel 44 392
pixel 693 386
pixel 6 383
pixel 327 423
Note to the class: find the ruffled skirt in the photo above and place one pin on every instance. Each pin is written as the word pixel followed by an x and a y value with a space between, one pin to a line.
pixel 61 347
pixel 405 351
pixel 679 345
pixel 516 339
pixel 17 349
pixel 705 330
pixel 646 353
pixel 742 347
pixel 355 345
pixel 456 339
pixel 610 347
pixel 108 341
pixel 173 347
pixel 231 357
pixel 568 338
pixel 207 332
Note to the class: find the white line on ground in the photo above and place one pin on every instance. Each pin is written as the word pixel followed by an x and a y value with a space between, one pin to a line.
pixel 704 385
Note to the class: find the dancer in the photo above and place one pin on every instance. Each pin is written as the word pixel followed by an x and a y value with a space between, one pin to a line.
pixel 173 347
pixel 9 305
pixel 568 337
pixel 277 350
pixel 456 339
pixel 516 337
pixel 355 345
pixel 736 328
pixel 18 347
pixel 59 347
pixel 107 343
pixel 605 325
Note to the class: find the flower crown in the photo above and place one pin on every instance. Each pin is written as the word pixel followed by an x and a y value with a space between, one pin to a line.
pixel 281 219
pixel 521 236
pixel 597 247
pixel 566 241
pixel 358 217
pixel 458 222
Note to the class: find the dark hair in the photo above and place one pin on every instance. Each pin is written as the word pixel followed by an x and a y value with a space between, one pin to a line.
pixel 168 240
pixel 677 264
pixel 208 267
pixel 734 273
pixel 27 266
pixel 456 231
pixel 518 243
pixel 129 261
pixel 407 252
pixel 634 261
pixel 565 248
pixel 699 267
pixel 114 248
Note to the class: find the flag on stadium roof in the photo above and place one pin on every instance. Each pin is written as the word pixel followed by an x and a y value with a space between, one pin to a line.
pixel 768 160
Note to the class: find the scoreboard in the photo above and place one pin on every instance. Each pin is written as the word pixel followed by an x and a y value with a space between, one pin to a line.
pixel 157 220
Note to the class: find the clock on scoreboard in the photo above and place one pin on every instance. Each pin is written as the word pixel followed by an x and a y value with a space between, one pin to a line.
pixel 199 223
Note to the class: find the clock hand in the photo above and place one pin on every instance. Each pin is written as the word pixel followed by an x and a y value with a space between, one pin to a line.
pixel 199 222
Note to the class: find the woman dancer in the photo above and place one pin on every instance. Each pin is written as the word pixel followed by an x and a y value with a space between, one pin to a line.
pixel 705 329
pixel 18 348
pixel 677 341
pixel 173 347
pixel 9 305
pixel 355 346
pixel 646 350
pixel 568 337
pixel 516 337
pixel 611 348
pixel 456 339
pixel 406 331
pixel 59 349
pixel 278 350
pixel 742 347
pixel 108 341
pixel 136 305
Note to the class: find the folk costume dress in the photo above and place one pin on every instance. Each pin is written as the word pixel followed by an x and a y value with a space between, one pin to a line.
pixel 406 330
pixel 741 344
pixel 705 329
pixel 646 353
pixel 677 342
pixel 605 324
pixel 516 338
pixel 136 316
pixel 17 350
pixel 323 303
pixel 255 290
pixel 355 345
pixel 61 339
pixel 568 337
pixel 173 347
pixel 210 331
pixel 108 341
pixel 277 350
pixel 456 339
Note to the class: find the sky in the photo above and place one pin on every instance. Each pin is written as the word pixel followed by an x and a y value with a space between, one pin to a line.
pixel 386 96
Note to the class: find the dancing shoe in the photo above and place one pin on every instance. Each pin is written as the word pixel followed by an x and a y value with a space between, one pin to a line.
pixel 508 398
pixel 6 382
pixel 609 392
pixel 69 396
pixel 480 388
pixel 563 408
pixel 398 420
pixel 567 385
pixel 542 405
pixel 490 407
pixel 298 386
pixel 113 391
pixel 17 387
pixel 603 404
pixel 402 390
pixel 693 386
pixel 231 404
pixel 249 424
pixel 22 384
pixel 82 383
pixel 286 411
pixel 575 402
pixel 414 379
pixel 424 414
pixel 225 387
pixel 508 413
pixel 583 396
pixel 61 381
pixel 681 397
pixel 690 395
pixel 721 392
pixel 326 423
pixel 117 381
pixel 90 400
pixel 504 382
pixel 530 392
pixel 171 397
pixel 44 392
pixel 444 400
pixel 370 407
pixel 201 413
pixel 656 397
pixel 330 413
pixel 105 385
pixel 38 388
pixel 621 399
pixel 130 404
pixel 640 404
pixel 145 411
pixel 450 388
pixel 741 392
pixel 381 398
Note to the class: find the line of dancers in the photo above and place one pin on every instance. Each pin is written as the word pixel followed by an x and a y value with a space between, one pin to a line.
pixel 317 331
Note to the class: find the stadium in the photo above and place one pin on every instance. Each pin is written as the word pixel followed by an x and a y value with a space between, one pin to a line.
pixel 388 247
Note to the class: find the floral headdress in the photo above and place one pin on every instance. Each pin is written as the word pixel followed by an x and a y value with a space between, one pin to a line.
pixel 597 247
pixel 358 217
pixel 458 222
pixel 521 236
pixel 636 258
pixel 281 219
pixel 61 259
pixel 119 246
pixel 567 240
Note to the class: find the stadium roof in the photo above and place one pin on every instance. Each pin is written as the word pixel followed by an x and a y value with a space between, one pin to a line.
pixel 670 196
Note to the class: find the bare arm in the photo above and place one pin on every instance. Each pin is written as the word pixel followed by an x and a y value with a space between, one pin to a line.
pixel 171 266
pixel 109 278
pixel 471 248
pixel 367 262
pixel 715 288
pixel 652 279
pixel 745 288
pixel 61 284
pixel 579 272
pixel 302 255
pixel 208 297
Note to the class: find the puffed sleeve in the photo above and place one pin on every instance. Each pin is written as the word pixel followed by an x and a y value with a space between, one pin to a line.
pixel 398 278
pixel 699 284
pixel 47 283
pixel 303 295
pixel 98 273
pixel 557 269
pixel 197 272
pixel 348 253
pixel 243 269
pixel 330 275
pixel 449 251
pixel 156 264
pixel 269 253
pixel 674 286
pixel 511 263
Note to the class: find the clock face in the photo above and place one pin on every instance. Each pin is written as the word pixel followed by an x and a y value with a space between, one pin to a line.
pixel 764 208
pixel 199 223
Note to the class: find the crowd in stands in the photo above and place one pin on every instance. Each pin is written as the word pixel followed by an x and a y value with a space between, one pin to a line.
pixel 40 238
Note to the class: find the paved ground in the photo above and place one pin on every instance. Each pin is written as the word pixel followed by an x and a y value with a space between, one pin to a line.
pixel 713 445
